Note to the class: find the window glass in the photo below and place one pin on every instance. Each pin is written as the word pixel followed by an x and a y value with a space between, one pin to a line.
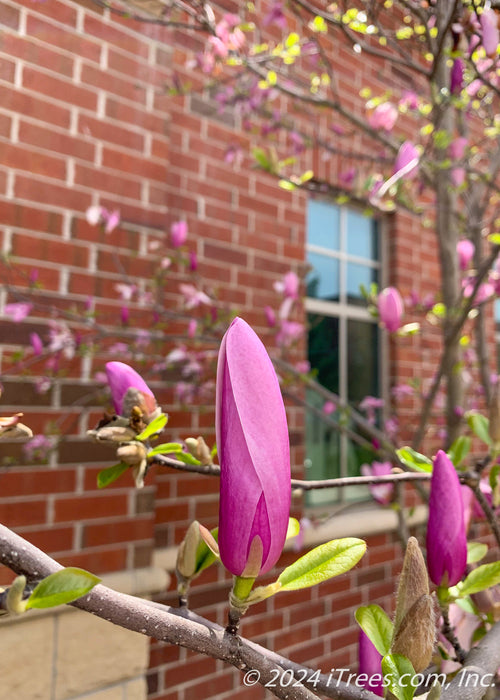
pixel 323 225
pixel 323 279
pixel 343 346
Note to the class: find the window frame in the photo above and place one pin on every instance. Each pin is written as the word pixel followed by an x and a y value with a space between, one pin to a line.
pixel 345 311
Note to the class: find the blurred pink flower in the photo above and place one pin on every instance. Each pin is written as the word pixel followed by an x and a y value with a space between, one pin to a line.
pixel 17 311
pixel 390 308
pixel 465 251
pixel 329 407
pixel 457 76
pixel 407 159
pixel 193 297
pixel 270 316
pixel 382 493
pixel 489 25
pixel 178 233
pixel 36 343
pixel 383 116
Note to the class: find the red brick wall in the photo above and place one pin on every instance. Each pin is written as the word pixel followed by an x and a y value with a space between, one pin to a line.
pixel 84 119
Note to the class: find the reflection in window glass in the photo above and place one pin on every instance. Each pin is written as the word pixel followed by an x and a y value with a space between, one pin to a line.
pixel 323 280
pixel 362 369
pixel 343 343
pixel 362 239
pixel 323 225
pixel 357 276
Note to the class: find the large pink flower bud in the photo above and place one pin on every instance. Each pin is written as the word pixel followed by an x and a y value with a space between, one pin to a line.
pixel 390 308
pixel 253 449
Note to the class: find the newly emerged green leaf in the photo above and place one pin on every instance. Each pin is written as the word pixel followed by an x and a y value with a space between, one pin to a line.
pixel 293 528
pixel 155 426
pixel 106 476
pixel 398 673
pixel 479 425
pixel 459 450
pixel 414 460
pixel 186 458
pixel 322 563
pixel 62 587
pixel 166 448
pixel 485 576
pixel 377 626
pixel 476 551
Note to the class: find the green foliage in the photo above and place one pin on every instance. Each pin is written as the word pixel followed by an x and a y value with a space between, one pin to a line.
pixel 155 426
pixel 62 587
pixel 479 425
pixel 476 551
pixel 414 460
pixel 485 576
pixel 377 626
pixel 166 448
pixel 322 563
pixel 459 450
pixel 398 673
pixel 106 476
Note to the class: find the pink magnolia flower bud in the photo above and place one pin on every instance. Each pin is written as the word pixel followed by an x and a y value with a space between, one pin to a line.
pixel 407 155
pixel 122 379
pixel 446 539
pixel 178 233
pixel 465 251
pixel 390 308
pixel 370 664
pixel 253 449
pixel 457 76
pixel 489 25
pixel 383 116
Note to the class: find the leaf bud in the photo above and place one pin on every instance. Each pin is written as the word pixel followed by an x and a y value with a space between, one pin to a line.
pixel 198 448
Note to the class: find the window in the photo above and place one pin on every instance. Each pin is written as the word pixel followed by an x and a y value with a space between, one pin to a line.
pixel 343 250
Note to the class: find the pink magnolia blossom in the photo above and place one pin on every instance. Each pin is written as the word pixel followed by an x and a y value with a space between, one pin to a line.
pixel 290 331
pixel 390 308
pixel 465 252
pixel 407 160
pixel 489 26
pixel 457 76
pixel 18 311
pixel 382 493
pixel 383 116
pixel 36 343
pixel 111 219
pixel 193 297
pixel 288 285
pixel 61 339
pixel 126 291
pixel 370 665
pixel 446 539
pixel 303 367
pixel 270 316
pixel 192 326
pixel 329 407
pixel 123 380
pixel 457 176
pixel 457 147
pixel 409 100
pixel 93 215
pixel 178 233
pixel 253 448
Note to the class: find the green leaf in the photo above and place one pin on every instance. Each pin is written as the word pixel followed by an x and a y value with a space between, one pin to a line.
pixel 166 448
pixel 204 555
pixel 322 563
pixel 479 425
pixel 414 460
pixel 106 476
pixel 262 158
pixel 155 426
pixel 398 673
pixel 186 458
pixel 494 238
pixel 459 450
pixel 377 626
pixel 293 528
pixel 62 587
pixel 479 579
pixel 476 551
pixel 287 185
pixel 495 484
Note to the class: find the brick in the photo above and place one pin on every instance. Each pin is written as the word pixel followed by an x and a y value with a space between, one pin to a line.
pixel 103 130
pixel 71 42
pixel 120 531
pixel 98 562
pixel 105 181
pixel 21 158
pixel 134 115
pixel 55 141
pixel 51 539
pixel 22 513
pixel 38 54
pixel 104 80
pixel 89 507
pixel 110 33
pixel 27 481
pixel 9 16
pixel 58 89
pixel 62 252
pixel 138 167
pixel 37 108
pixel 51 194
